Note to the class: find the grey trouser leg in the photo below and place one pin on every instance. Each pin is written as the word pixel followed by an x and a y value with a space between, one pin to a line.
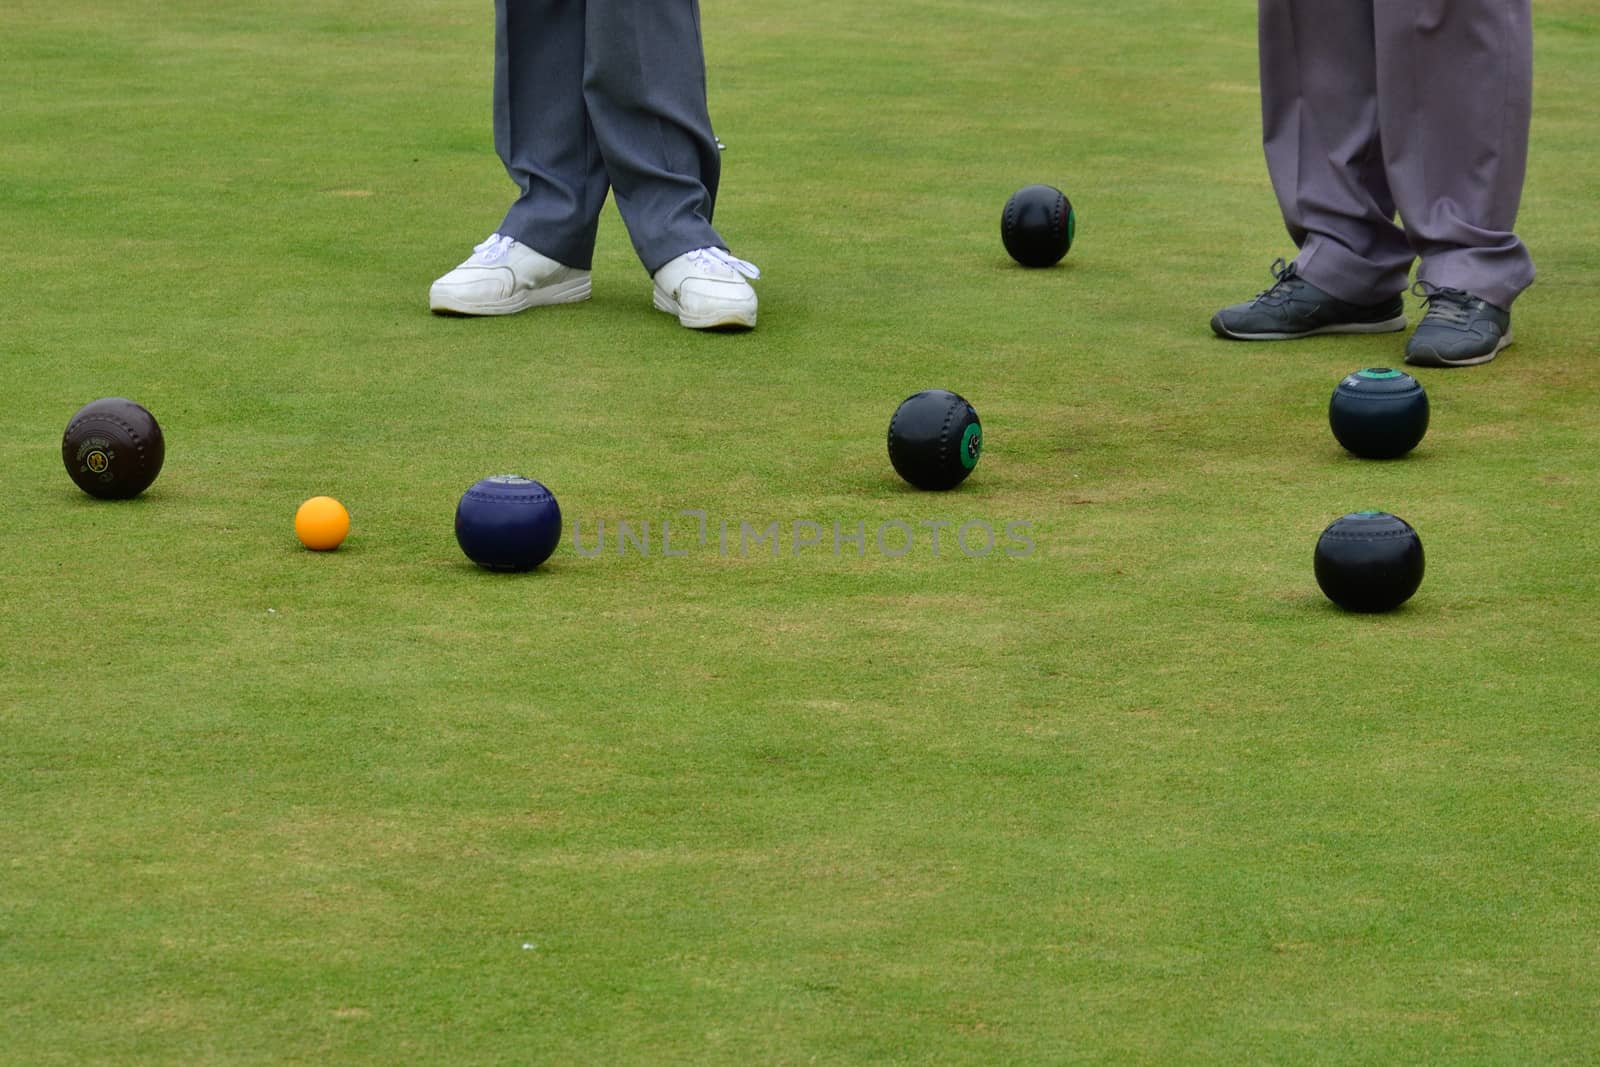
pixel 1420 106
pixel 542 130
pixel 598 94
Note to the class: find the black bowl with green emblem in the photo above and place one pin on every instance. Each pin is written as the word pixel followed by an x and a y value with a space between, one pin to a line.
pixel 1378 413
pixel 935 439
pixel 1037 225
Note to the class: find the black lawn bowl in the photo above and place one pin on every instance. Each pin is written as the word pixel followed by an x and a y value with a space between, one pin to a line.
pixel 1369 561
pixel 935 439
pixel 1037 225
pixel 1378 413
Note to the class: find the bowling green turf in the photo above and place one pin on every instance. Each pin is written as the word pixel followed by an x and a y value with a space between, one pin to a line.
pixel 1124 788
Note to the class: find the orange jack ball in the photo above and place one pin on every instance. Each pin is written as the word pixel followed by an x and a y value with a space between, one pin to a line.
pixel 321 523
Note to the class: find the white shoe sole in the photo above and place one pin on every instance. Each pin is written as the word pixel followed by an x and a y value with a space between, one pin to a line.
pixel 1393 325
pixel 570 291
pixel 726 319
pixel 1429 358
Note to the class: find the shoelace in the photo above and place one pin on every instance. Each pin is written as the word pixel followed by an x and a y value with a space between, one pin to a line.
pixel 1283 273
pixel 1446 305
pixel 494 248
pixel 718 261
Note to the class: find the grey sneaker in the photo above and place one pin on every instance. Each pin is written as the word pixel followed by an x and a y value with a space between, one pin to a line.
pixel 1459 329
pixel 1293 307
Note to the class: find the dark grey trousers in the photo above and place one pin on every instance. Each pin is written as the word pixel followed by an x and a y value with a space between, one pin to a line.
pixel 1370 107
pixel 591 95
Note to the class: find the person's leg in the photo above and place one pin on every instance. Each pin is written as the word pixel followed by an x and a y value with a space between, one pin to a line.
pixel 542 129
pixel 1455 86
pixel 1320 129
pixel 541 252
pixel 644 84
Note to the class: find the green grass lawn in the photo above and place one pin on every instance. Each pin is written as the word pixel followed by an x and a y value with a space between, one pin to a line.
pixel 1140 794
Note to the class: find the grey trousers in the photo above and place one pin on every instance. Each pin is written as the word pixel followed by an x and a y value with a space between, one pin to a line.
pixel 591 95
pixel 1418 106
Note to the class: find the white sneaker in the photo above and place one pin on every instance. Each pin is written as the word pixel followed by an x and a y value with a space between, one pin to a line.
pixel 504 276
pixel 706 289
